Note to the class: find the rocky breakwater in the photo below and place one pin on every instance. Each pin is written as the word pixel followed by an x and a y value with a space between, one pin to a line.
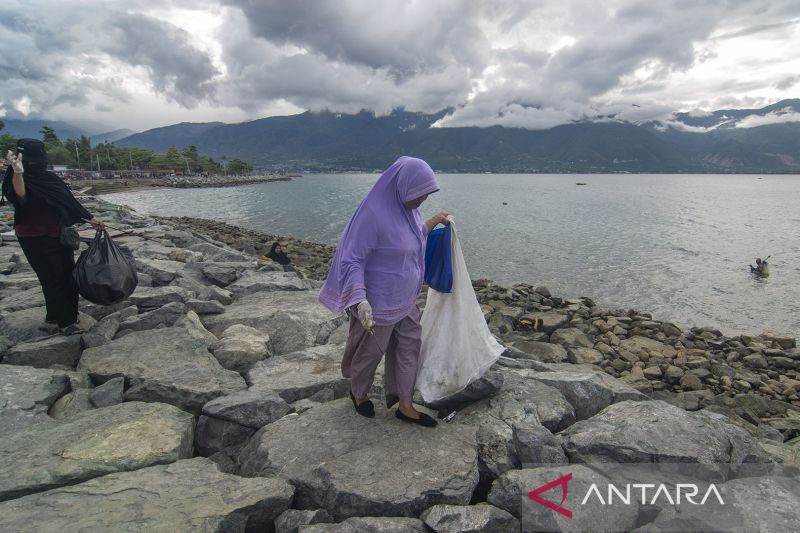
pixel 212 400
pixel 196 182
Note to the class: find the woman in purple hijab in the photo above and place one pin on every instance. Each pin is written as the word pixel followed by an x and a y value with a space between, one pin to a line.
pixel 377 273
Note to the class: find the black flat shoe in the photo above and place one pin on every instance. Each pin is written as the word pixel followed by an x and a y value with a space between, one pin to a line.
pixel 391 399
pixel 366 408
pixel 423 420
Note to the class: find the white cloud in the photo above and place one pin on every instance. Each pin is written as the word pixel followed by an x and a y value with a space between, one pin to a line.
pixel 516 63
pixel 775 117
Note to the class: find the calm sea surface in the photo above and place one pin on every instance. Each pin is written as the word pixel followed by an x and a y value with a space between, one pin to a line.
pixel 677 246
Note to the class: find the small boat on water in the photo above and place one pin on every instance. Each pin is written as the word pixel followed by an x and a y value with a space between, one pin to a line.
pixel 580 183
pixel 763 273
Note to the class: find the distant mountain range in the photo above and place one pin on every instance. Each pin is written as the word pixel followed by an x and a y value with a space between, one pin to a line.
pixel 763 140
pixel 30 129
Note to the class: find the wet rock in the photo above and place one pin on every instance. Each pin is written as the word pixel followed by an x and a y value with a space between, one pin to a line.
pixel 328 451
pixel 480 518
pixel 172 367
pixel 124 437
pixel 190 495
pixel 289 375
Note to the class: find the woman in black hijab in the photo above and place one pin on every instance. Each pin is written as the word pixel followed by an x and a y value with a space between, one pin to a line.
pixel 42 206
pixel 276 254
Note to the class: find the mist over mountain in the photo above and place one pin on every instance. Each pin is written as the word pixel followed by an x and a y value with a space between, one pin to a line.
pixel 763 140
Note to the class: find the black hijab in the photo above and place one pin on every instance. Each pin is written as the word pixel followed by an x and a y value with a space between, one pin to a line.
pixel 279 257
pixel 48 187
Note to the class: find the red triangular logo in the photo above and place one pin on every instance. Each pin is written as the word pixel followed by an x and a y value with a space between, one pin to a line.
pixel 560 482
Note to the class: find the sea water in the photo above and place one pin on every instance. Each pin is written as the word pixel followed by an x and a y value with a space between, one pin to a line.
pixel 677 246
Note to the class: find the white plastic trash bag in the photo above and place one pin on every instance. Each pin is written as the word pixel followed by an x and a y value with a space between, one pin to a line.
pixel 457 346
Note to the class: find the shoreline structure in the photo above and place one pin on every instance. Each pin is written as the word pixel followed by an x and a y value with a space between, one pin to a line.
pixel 221 375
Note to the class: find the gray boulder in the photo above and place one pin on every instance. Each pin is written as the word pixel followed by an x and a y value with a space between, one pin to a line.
pixel 58 350
pixel 657 432
pixel 124 437
pixel 161 271
pixel 240 347
pixel 535 445
pixel 253 282
pixel 570 337
pixel 25 325
pixel 292 319
pixel 205 307
pixel 218 253
pixel 72 403
pixel 589 392
pixel 480 518
pixel 291 520
pixel 190 495
pixel 298 375
pixel 369 524
pixel 164 316
pixel 217 294
pixel 105 330
pixel 30 389
pixel 483 387
pixel 22 299
pixel 222 274
pixel 173 367
pixel 328 451
pixel 584 356
pixel 509 493
pixel 760 503
pixel 253 408
pixel 213 435
pixel 109 393
pixel 544 352
pixel 154 297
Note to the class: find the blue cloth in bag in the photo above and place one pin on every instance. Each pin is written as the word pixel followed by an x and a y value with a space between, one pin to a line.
pixel 439 260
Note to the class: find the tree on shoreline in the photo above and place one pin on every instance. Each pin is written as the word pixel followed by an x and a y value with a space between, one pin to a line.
pixel 80 154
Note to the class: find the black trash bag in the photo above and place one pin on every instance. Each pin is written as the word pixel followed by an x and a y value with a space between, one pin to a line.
pixel 104 275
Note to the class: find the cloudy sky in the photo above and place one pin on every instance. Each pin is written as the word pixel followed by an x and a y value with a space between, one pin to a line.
pixel 536 63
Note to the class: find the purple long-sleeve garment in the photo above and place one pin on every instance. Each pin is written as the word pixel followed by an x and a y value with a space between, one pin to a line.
pixel 380 256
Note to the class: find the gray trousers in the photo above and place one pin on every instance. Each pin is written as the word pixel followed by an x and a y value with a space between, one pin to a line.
pixel 401 342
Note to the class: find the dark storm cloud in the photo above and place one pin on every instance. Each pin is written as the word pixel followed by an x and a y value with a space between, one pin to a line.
pixel 177 69
pixel 406 38
pixel 526 63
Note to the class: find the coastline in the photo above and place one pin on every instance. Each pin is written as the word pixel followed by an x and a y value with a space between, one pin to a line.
pixel 238 368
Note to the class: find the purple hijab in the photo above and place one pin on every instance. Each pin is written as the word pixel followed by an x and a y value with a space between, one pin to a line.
pixel 380 256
